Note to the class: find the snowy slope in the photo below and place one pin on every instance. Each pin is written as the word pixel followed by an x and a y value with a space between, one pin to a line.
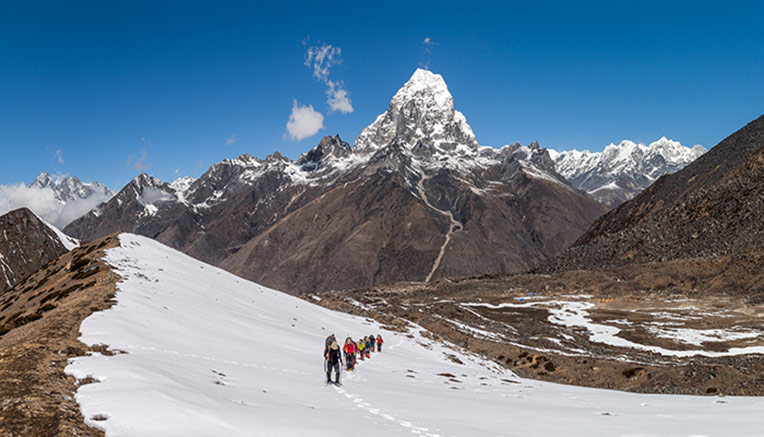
pixel 209 353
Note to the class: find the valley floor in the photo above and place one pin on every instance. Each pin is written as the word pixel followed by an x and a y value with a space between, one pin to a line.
pixel 208 353
pixel 682 327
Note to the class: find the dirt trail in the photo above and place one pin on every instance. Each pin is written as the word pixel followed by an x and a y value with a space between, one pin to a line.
pixel 453 227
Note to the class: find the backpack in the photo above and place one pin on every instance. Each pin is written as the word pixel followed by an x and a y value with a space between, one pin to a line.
pixel 329 340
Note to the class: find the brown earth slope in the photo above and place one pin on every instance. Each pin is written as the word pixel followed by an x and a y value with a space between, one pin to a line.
pixel 39 329
pixel 690 326
pixel 710 208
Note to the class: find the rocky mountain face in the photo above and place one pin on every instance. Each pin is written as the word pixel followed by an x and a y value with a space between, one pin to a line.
pixel 622 171
pixel 711 208
pixel 27 244
pixel 415 199
pixel 69 188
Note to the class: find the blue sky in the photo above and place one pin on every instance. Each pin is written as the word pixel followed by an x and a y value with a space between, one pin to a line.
pixel 161 87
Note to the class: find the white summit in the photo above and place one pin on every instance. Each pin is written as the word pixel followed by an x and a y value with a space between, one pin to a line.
pixel 421 110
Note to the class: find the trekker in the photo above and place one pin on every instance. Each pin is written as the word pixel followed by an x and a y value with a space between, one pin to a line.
pixel 379 343
pixel 373 342
pixel 328 342
pixel 349 349
pixel 360 348
pixel 333 361
pixel 367 347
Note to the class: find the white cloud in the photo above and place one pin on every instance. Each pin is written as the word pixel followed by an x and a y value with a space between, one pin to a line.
pixel 230 140
pixel 304 121
pixel 320 60
pixel 429 44
pixel 338 99
pixel 139 163
pixel 44 203
pixel 153 195
pixel 60 156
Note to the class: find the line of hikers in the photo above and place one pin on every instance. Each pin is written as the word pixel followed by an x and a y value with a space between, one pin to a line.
pixel 352 350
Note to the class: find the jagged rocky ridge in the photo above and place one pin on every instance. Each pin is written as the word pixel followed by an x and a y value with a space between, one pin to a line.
pixel 710 209
pixel 416 198
pixel 26 244
pixel 69 188
pixel 622 171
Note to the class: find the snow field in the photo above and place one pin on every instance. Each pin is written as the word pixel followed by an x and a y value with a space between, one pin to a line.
pixel 575 314
pixel 210 354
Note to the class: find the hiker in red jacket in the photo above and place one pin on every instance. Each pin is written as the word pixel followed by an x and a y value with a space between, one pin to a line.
pixel 379 343
pixel 349 349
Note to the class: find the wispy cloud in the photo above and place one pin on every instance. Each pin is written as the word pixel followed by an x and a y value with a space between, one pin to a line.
pixel 43 202
pixel 139 163
pixel 230 140
pixel 320 60
pixel 429 44
pixel 304 121
pixel 60 156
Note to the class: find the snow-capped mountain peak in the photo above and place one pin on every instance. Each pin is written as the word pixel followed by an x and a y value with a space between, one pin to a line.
pixel 182 184
pixel 421 112
pixel 69 188
pixel 621 171
pixel 674 151
pixel 427 86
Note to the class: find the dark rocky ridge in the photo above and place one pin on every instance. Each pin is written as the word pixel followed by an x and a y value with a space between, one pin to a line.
pixel 710 208
pixel 26 244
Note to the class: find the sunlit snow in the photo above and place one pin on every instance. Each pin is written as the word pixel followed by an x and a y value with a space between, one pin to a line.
pixel 208 353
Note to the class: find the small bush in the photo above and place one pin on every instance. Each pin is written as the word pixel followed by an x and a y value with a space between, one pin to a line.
pixel 86 273
pixel 78 264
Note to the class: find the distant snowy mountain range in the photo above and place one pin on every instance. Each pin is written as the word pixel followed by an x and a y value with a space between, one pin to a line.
pixel 56 198
pixel 70 188
pixel 621 171
pixel 417 198
pixel 612 176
